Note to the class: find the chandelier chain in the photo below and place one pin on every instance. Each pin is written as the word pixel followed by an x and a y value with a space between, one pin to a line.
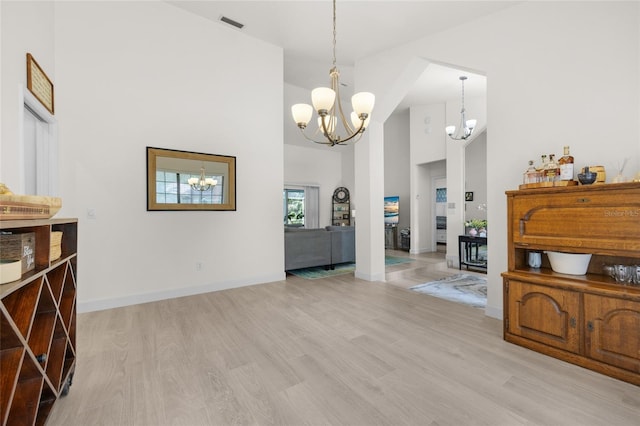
pixel 328 105
pixel 334 33
pixel 463 79
pixel 466 126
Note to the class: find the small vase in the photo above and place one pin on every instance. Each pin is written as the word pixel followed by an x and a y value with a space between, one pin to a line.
pixel 482 232
pixel 473 232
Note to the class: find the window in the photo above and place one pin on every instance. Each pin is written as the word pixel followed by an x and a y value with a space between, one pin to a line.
pixel 293 207
pixel 169 191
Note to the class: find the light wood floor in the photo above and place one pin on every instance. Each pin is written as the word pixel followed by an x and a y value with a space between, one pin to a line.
pixel 337 351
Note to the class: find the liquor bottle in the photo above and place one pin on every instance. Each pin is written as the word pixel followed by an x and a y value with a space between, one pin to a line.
pixel 566 165
pixel 551 171
pixel 531 175
pixel 543 164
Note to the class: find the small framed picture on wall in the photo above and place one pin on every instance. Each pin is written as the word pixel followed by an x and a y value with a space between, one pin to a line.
pixel 468 196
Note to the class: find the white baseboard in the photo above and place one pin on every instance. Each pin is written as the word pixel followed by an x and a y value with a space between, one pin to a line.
pixel 422 250
pixel 494 312
pixel 369 277
pixel 135 299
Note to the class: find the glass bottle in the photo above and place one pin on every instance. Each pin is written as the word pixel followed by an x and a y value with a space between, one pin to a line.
pixel 566 165
pixel 551 171
pixel 531 175
pixel 543 163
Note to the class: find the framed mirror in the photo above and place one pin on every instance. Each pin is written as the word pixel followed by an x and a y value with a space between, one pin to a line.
pixel 183 180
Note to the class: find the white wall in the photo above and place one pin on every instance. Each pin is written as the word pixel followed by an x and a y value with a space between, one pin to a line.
pixel 137 74
pixel 428 141
pixel 396 165
pixel 315 167
pixel 348 174
pixel 26 27
pixel 583 68
pixel 475 177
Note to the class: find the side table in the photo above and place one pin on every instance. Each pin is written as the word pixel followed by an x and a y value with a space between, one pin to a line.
pixel 469 251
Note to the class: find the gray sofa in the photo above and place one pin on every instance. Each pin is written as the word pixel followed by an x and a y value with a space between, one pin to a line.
pixel 305 248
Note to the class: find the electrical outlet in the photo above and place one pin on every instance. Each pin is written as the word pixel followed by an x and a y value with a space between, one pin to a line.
pixel 198 266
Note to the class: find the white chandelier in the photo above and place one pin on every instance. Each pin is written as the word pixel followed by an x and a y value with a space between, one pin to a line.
pixel 324 101
pixel 466 126
pixel 202 183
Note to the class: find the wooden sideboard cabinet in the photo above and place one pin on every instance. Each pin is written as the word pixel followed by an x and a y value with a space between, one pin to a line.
pixel 38 324
pixel 589 320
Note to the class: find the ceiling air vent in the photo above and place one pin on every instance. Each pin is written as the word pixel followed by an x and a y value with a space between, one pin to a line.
pixel 231 22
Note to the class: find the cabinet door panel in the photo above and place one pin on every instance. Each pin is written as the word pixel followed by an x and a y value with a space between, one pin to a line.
pixel 579 219
pixel 546 315
pixel 613 331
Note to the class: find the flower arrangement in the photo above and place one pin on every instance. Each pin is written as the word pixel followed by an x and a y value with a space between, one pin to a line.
pixel 476 223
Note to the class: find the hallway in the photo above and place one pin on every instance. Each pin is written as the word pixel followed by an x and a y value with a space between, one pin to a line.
pixel 425 267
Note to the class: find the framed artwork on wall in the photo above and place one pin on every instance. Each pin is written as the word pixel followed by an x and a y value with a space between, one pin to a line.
pixel 468 196
pixel 391 207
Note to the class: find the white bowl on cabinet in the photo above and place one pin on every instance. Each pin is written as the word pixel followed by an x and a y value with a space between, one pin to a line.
pixel 569 263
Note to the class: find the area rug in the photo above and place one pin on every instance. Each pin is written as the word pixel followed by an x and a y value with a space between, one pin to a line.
pixel 462 288
pixel 343 268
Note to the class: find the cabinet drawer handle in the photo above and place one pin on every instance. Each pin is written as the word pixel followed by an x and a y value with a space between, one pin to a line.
pixel 589 325
pixel 584 200
pixel 572 322
pixel 41 358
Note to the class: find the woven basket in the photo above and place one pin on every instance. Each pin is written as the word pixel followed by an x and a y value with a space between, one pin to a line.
pixel 55 251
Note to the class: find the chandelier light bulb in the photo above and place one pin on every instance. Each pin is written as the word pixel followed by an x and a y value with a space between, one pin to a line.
pixel 323 99
pixel 330 123
pixel 302 114
pixel 363 103
pixel 357 122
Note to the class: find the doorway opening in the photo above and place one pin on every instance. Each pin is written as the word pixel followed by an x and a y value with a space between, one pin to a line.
pixel 39 148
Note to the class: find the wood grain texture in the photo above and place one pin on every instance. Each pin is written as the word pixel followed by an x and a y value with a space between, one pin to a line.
pixel 336 351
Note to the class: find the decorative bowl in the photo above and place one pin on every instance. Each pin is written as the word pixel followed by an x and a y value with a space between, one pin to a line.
pixel 569 263
pixel 10 270
pixel 587 178
pixel 599 170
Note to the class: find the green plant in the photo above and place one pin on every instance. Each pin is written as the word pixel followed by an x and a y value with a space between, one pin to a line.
pixel 476 223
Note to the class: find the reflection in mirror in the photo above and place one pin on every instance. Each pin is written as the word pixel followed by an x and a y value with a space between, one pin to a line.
pixel 181 180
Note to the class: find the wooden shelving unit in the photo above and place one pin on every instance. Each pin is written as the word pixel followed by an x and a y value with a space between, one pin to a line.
pixel 341 208
pixel 589 320
pixel 37 324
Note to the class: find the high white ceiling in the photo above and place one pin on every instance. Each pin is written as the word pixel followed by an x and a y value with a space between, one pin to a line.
pixel 303 28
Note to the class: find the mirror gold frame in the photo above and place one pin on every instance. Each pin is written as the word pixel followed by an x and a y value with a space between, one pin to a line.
pixel 181 165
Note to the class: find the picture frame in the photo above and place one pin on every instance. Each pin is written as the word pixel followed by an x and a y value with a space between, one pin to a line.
pixel 468 196
pixel 169 189
pixel 391 210
pixel 39 84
